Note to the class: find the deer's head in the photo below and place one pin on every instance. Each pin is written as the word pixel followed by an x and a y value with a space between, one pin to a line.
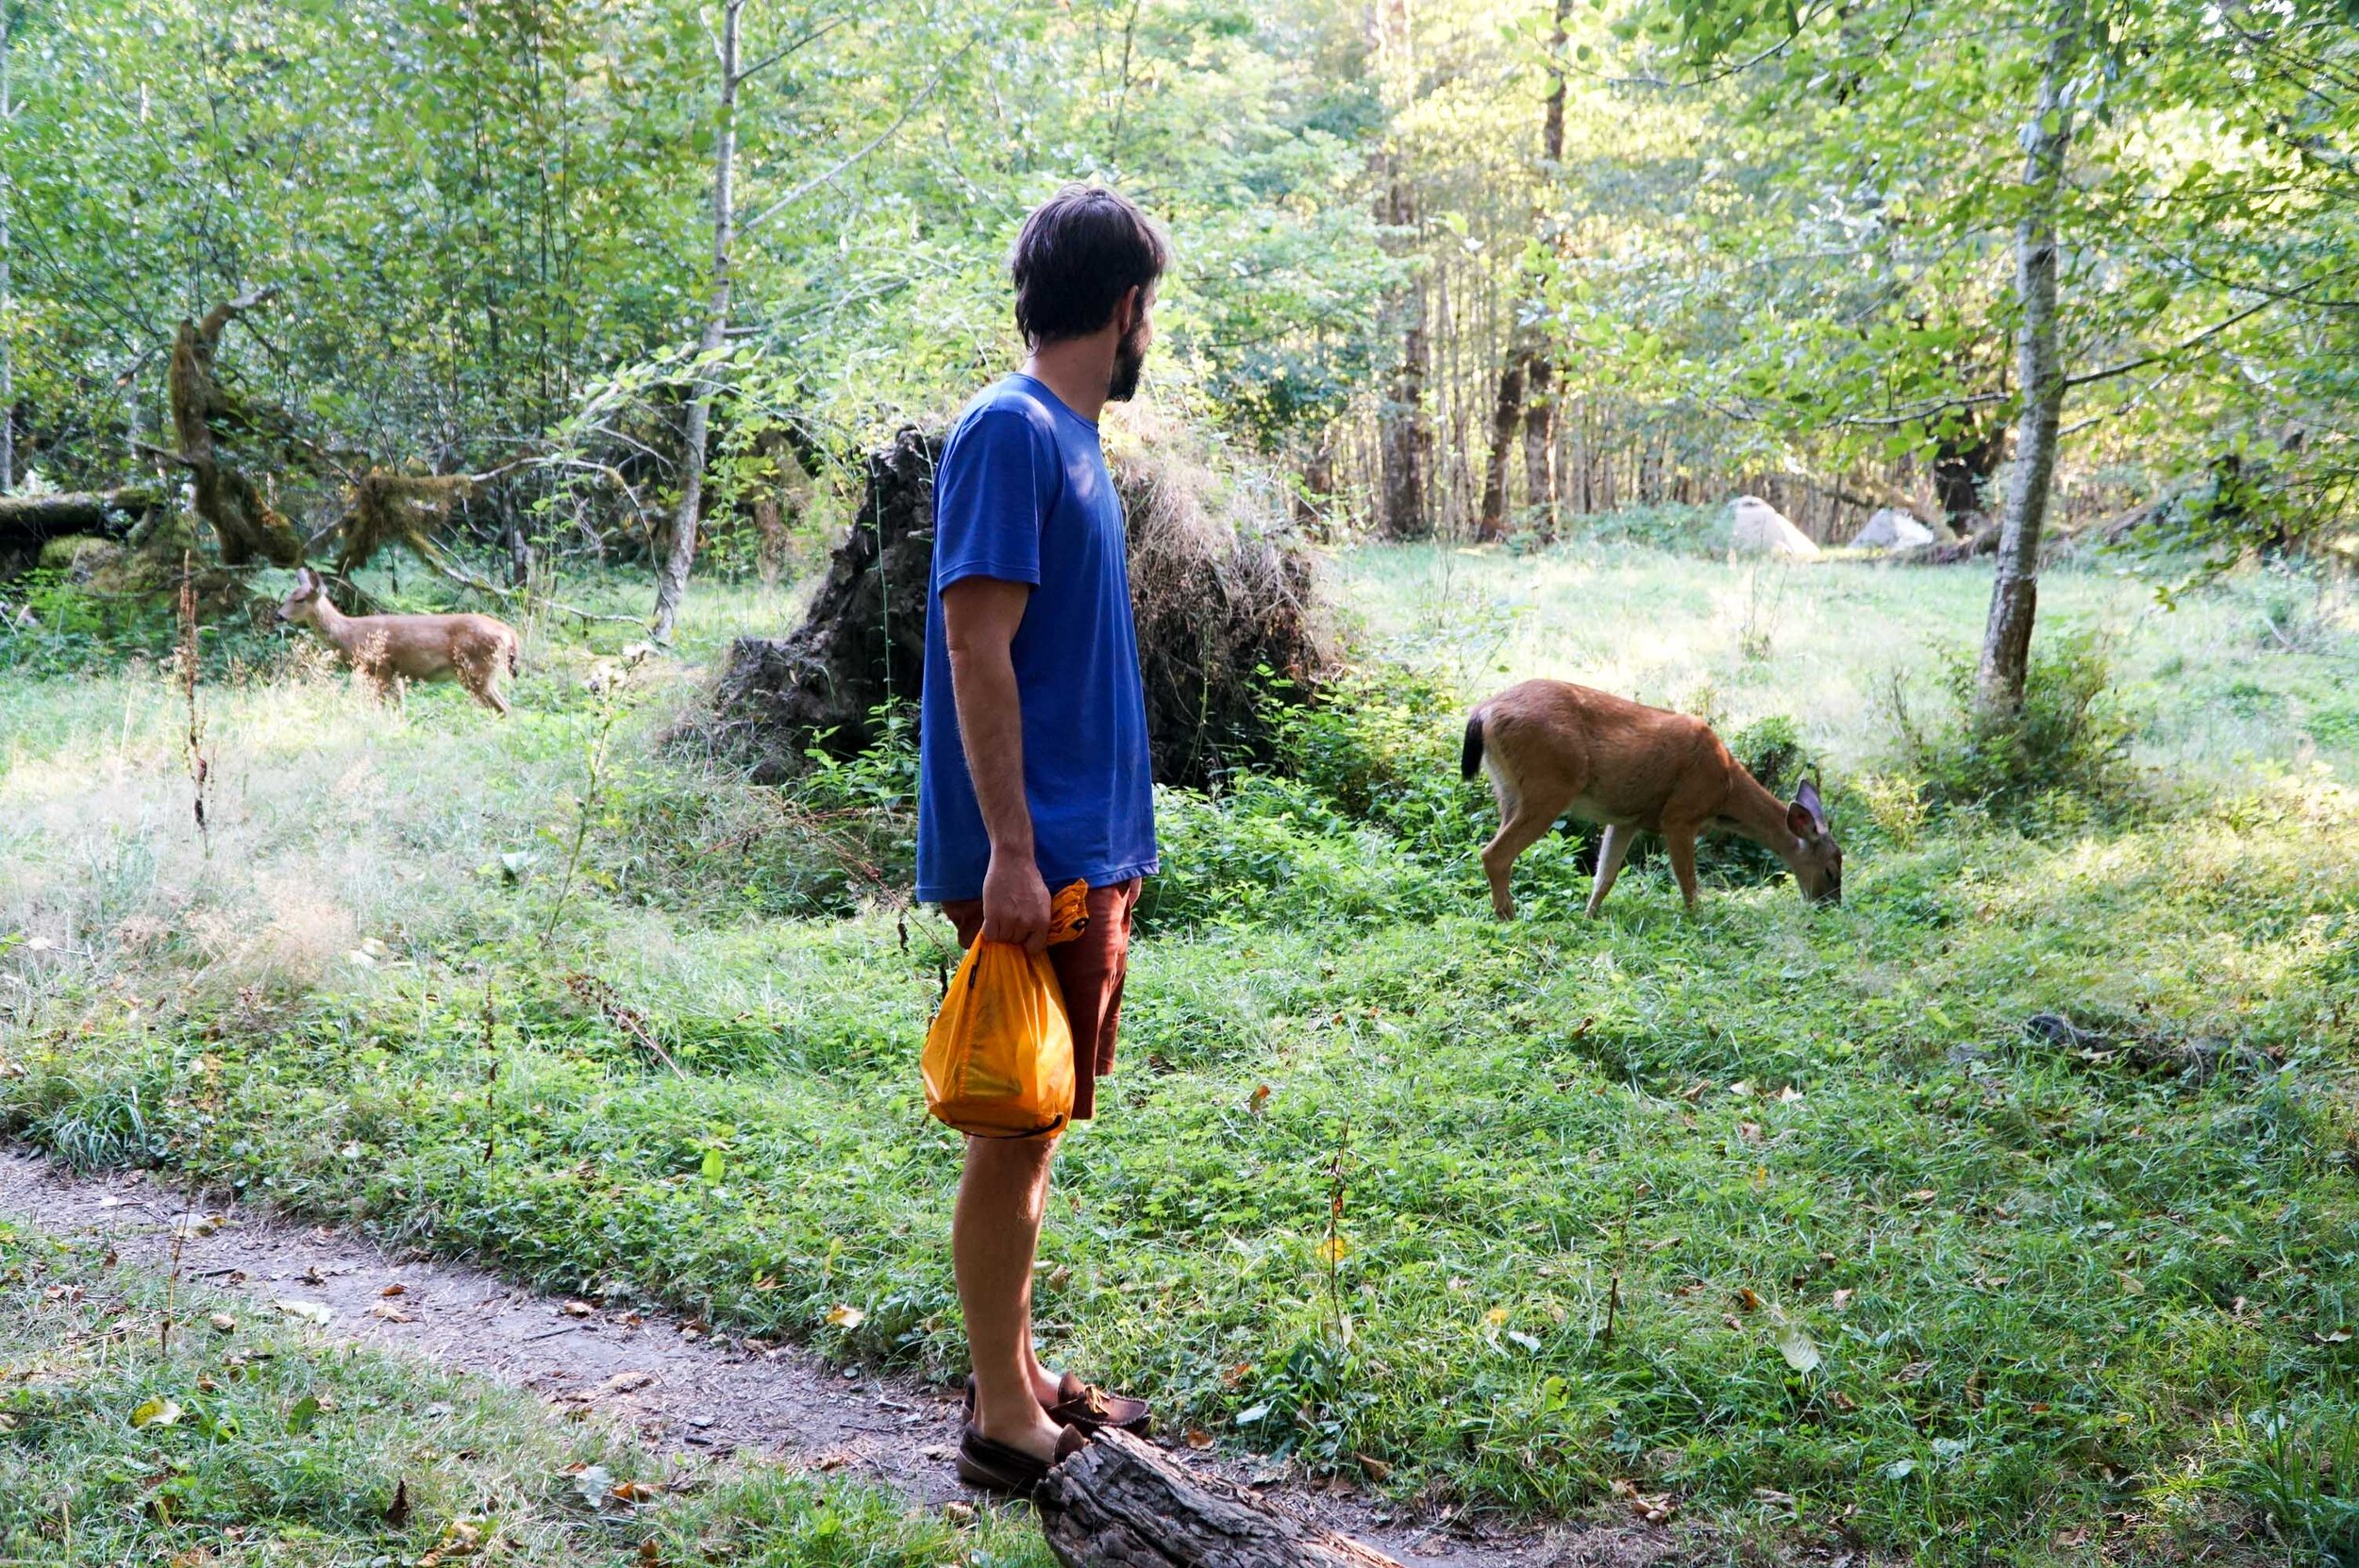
pixel 301 603
pixel 1819 866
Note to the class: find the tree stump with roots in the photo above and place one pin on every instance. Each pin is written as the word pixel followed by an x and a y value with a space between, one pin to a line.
pixel 1120 1504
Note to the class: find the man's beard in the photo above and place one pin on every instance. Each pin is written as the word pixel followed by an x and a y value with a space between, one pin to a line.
pixel 1130 360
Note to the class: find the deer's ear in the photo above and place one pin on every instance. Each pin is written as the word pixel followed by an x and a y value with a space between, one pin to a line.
pixel 1807 802
pixel 1799 822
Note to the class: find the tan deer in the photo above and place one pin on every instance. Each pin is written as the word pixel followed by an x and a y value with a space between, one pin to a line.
pixel 1554 748
pixel 475 650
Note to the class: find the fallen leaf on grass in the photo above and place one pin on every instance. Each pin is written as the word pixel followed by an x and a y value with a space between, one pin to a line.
pixel 394 1289
pixel 1198 1437
pixel 1749 1298
pixel 634 1492
pixel 1839 1300
pixel 314 1313
pixel 223 1322
pixel 397 1511
pixel 576 1308
pixel 195 1227
pixel 958 1515
pixel 2333 1336
pixel 390 1312
pixel 1378 1470
pixel 460 1539
pixel 1332 1250
pixel 1258 1099
pixel 846 1318
pixel 625 1382
pixel 159 1412
pixel 1654 1508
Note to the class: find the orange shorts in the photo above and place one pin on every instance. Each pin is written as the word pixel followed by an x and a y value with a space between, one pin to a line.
pixel 1089 971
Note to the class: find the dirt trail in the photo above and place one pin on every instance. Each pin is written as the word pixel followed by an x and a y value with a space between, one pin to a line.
pixel 685 1390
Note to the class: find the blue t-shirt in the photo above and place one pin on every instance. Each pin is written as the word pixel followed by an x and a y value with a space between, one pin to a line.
pixel 1022 496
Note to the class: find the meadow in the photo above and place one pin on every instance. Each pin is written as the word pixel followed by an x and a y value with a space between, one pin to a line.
pixel 1778 1220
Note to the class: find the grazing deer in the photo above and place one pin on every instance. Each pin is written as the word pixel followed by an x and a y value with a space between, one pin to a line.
pixel 477 650
pixel 1554 748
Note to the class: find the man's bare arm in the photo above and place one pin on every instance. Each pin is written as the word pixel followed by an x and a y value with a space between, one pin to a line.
pixel 979 618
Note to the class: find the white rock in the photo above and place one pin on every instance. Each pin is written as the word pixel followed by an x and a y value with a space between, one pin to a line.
pixel 1761 529
pixel 1892 529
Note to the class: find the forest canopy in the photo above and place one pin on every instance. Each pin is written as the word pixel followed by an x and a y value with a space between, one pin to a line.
pixel 1478 269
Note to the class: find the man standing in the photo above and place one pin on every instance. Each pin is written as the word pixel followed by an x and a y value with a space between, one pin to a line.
pixel 1033 767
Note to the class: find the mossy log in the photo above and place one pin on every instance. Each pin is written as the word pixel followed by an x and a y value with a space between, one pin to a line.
pixel 31 520
pixel 1120 1504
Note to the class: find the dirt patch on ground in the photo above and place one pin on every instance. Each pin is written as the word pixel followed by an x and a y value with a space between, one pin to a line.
pixel 684 1388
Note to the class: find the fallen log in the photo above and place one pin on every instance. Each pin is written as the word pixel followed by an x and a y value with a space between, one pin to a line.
pixel 108 513
pixel 1120 1504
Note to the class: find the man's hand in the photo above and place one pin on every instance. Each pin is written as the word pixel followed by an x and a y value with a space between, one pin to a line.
pixel 1015 903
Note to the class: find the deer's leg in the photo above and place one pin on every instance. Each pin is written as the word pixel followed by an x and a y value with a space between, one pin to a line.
pixel 1611 851
pixel 479 673
pixel 1683 848
pixel 1519 832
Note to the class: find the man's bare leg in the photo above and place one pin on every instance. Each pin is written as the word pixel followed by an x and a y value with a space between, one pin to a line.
pixel 995 1237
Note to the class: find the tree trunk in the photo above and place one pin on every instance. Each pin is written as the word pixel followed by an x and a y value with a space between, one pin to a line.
pixel 671 581
pixel 1540 484
pixel 7 280
pixel 244 523
pixel 1504 418
pixel 2039 357
pixel 1119 1504
pixel 1523 381
pixel 1404 439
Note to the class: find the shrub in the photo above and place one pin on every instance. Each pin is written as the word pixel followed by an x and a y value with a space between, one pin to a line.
pixel 2066 755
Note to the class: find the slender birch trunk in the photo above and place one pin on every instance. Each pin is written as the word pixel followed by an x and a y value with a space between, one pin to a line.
pixel 8 259
pixel 2039 359
pixel 671 580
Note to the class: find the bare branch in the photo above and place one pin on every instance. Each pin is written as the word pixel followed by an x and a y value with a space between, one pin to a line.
pixel 2176 349
pixel 827 177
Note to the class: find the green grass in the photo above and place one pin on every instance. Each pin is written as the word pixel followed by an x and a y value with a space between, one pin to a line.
pixel 2060 1301
pixel 235 1440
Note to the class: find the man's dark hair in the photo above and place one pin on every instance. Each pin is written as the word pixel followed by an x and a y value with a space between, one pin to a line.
pixel 1079 253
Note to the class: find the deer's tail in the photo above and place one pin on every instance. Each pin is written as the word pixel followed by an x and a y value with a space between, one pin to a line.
pixel 1470 754
pixel 515 655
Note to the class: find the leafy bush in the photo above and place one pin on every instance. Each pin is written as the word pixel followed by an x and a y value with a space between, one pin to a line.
pixel 1381 748
pixel 1273 850
pixel 2065 755
pixel 1684 527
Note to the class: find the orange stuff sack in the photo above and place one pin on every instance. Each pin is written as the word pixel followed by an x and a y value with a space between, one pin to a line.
pixel 998 1059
